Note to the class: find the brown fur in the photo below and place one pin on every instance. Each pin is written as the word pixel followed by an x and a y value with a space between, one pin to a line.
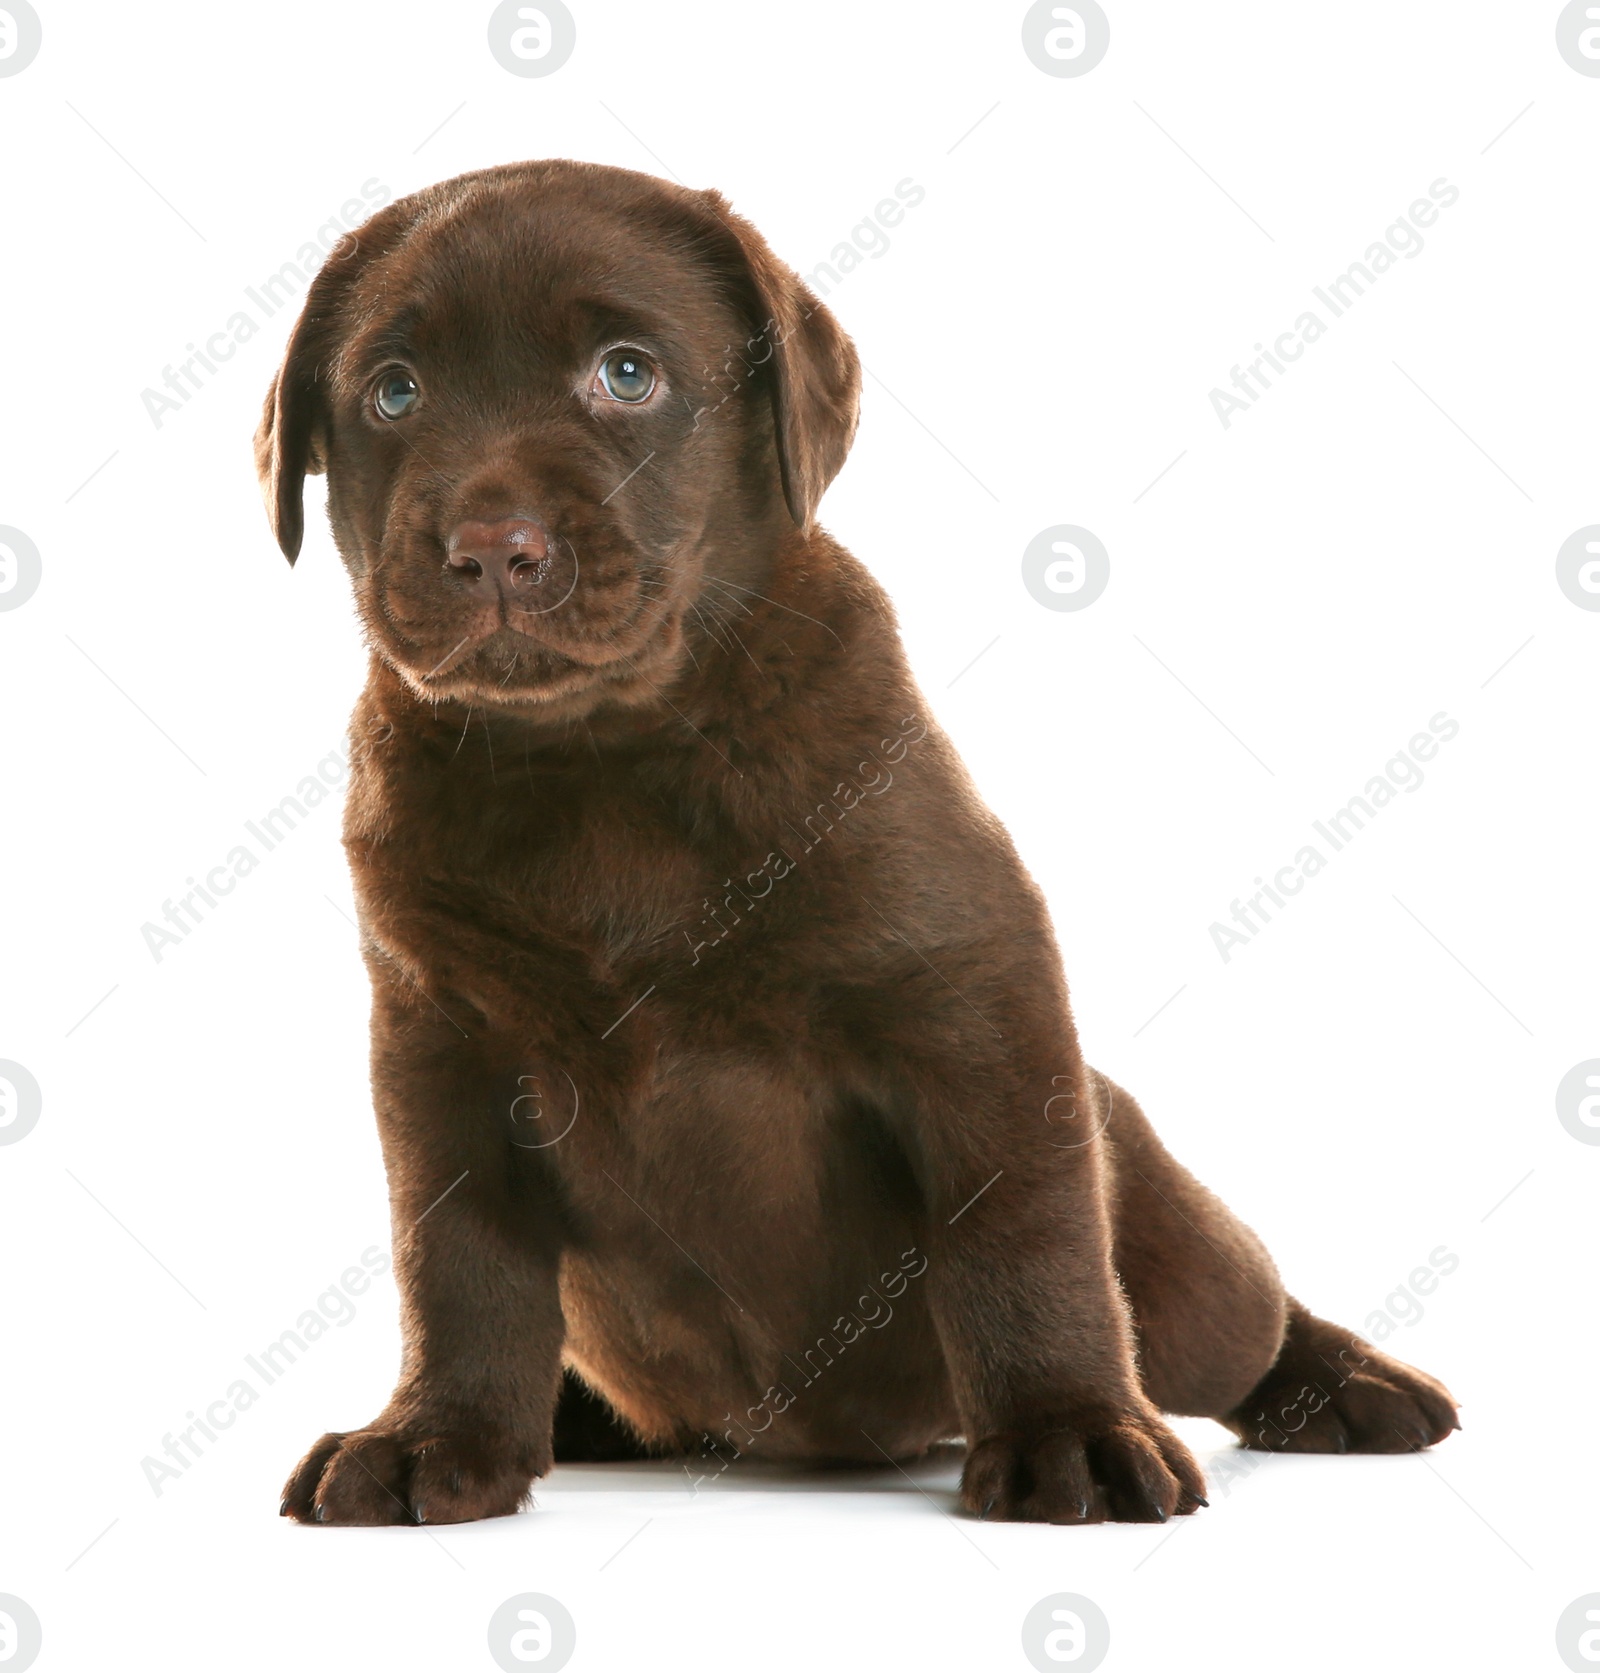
pixel 721 1049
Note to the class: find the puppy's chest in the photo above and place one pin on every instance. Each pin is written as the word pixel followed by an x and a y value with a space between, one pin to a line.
pixel 615 873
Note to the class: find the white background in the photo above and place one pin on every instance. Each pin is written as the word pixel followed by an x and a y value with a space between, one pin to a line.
pixel 1296 596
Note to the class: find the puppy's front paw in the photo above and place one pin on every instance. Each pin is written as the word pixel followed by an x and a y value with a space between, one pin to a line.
pixel 1127 1468
pixel 374 1477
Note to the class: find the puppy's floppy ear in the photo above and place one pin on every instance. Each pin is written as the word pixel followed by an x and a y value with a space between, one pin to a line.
pixel 287 447
pixel 815 376
pixel 291 439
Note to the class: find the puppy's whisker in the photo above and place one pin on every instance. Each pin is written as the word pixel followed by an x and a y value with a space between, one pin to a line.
pixel 774 602
pixel 737 603
pixel 688 651
pixel 710 631
pixel 743 647
pixel 463 738
pixel 727 627
pixel 694 610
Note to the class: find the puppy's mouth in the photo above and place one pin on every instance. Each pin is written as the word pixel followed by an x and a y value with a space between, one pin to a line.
pixel 507 653
pixel 504 663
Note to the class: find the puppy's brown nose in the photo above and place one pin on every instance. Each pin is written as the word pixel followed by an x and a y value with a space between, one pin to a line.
pixel 508 556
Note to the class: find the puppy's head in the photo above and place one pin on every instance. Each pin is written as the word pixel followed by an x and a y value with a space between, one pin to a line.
pixel 555 402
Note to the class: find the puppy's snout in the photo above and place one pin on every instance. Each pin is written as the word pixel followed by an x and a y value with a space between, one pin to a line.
pixel 508 556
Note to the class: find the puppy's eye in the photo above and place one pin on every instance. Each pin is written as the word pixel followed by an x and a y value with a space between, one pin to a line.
pixel 396 394
pixel 626 376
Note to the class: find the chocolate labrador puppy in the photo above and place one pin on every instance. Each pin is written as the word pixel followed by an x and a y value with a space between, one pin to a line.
pixel 728 1089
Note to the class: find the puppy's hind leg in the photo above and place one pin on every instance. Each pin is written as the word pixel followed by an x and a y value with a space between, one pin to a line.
pixel 1208 1306
pixel 1217 1335
pixel 1328 1391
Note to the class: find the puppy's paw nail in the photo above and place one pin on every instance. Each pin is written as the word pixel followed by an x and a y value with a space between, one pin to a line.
pixel 1159 1509
pixel 1204 1504
pixel 988 1505
pixel 317 1514
pixel 283 1507
pixel 1083 1510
